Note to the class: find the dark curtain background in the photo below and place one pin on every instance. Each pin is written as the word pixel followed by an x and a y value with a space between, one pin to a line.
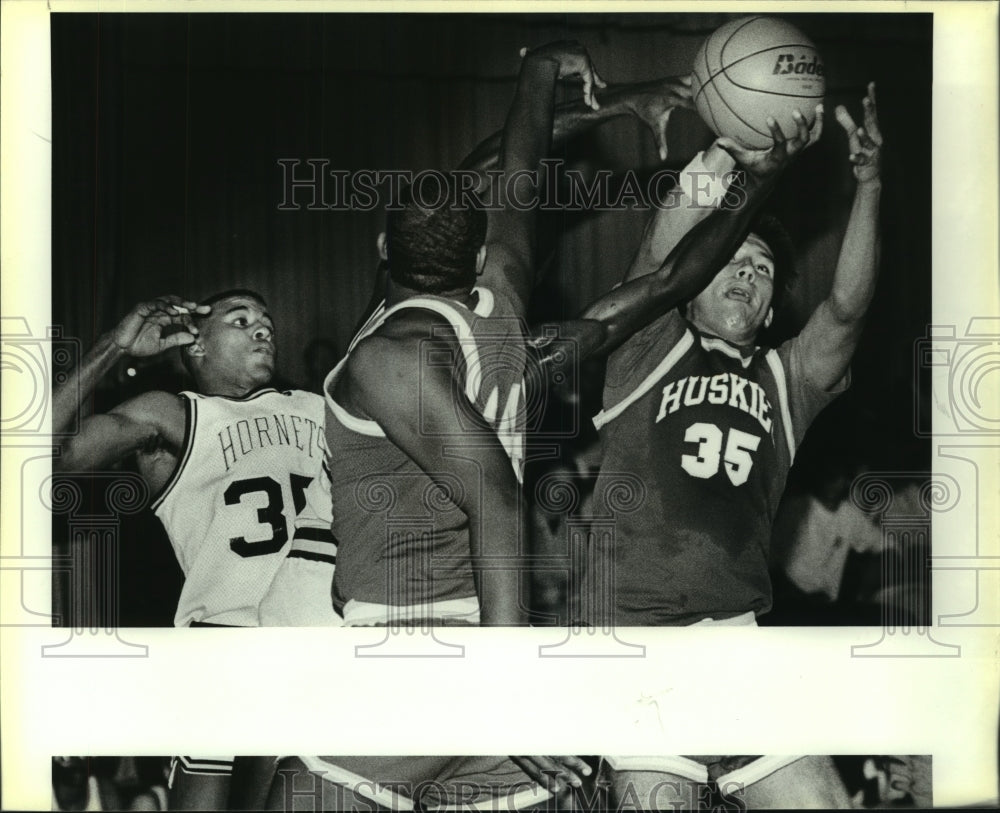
pixel 168 129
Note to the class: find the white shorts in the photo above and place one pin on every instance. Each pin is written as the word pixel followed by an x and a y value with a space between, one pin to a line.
pixel 370 614
pixel 747 619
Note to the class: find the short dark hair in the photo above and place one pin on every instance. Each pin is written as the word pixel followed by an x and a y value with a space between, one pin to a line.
pixel 769 229
pixel 234 292
pixel 433 248
pixel 211 300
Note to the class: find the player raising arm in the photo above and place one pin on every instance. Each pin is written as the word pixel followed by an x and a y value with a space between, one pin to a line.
pixel 710 423
pixel 711 239
pixel 151 421
pixel 236 468
pixel 720 417
pixel 394 410
pixel 651 102
pixel 831 335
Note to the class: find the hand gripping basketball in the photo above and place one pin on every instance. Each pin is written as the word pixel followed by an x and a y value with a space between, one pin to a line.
pixel 752 69
pixel 768 162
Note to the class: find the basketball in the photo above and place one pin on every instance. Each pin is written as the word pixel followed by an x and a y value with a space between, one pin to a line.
pixel 752 68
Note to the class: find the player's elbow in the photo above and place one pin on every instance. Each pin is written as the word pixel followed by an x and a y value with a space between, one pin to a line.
pixel 847 311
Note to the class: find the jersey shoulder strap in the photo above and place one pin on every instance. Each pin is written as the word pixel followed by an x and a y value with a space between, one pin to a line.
pixel 184 454
pixel 675 354
pixel 452 313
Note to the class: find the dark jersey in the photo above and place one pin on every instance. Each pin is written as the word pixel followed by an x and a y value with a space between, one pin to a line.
pixel 403 540
pixel 702 434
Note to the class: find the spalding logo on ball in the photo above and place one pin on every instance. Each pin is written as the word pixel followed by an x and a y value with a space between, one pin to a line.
pixel 753 68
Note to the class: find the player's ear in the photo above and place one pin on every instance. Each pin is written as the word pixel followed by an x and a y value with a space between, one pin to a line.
pixel 481 259
pixel 383 250
pixel 769 317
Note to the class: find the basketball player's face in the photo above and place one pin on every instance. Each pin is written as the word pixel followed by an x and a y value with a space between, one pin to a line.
pixel 238 343
pixel 737 303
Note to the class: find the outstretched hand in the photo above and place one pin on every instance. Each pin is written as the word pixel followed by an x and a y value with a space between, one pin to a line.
pixel 653 105
pixel 768 162
pixel 573 60
pixel 864 142
pixel 157 325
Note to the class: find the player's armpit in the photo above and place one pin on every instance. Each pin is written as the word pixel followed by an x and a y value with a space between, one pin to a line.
pixel 508 266
pixel 130 427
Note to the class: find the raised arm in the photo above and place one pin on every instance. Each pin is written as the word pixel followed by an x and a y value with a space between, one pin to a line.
pixel 829 339
pixel 700 189
pixel 527 136
pixel 444 443
pixel 105 439
pixel 699 255
pixel 650 102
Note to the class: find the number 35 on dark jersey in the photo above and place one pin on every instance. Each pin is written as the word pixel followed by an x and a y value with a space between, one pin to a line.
pixel 709 431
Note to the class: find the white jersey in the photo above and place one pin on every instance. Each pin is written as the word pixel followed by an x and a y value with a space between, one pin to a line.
pixel 250 478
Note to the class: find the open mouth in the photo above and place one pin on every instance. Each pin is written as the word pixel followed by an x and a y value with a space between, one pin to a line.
pixel 739 293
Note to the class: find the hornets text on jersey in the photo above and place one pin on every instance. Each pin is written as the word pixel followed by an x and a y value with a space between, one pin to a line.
pixel 250 477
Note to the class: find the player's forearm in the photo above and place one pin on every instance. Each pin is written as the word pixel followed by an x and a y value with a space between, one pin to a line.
pixel 709 245
pixel 691 265
pixel 857 267
pixel 527 133
pixel 700 189
pixel 497 536
pixel 526 139
pixel 68 398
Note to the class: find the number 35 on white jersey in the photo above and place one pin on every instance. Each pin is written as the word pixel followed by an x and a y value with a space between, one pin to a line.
pixel 250 477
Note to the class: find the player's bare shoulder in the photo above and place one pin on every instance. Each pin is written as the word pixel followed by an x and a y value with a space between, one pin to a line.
pixel 389 361
pixel 396 346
